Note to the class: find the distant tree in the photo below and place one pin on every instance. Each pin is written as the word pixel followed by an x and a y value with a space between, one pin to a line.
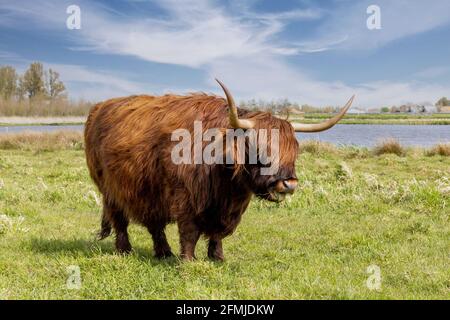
pixel 252 105
pixel 20 90
pixel 307 108
pixel 442 102
pixel 54 86
pixel 385 109
pixel 33 80
pixel 8 82
pixel 281 106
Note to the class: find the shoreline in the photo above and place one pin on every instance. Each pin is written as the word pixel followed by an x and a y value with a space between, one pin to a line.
pixel 73 140
pixel 342 122
pixel 41 121
pixel 433 119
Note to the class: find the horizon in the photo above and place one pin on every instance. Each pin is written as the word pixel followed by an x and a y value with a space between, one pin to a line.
pixel 309 53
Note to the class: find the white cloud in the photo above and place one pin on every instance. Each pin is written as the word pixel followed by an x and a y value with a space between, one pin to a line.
pixel 243 49
pixel 197 33
pixel 97 84
pixel 269 79
pixel 76 73
pixel 399 19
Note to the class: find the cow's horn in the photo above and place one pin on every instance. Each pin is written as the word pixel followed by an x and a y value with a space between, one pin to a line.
pixel 233 114
pixel 305 127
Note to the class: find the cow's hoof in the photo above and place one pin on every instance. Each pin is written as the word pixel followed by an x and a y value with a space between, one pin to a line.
pixel 186 257
pixel 216 257
pixel 164 255
pixel 124 252
pixel 124 249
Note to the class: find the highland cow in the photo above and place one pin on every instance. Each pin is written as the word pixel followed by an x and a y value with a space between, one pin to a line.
pixel 128 151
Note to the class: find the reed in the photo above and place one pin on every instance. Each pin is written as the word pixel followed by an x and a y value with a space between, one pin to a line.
pixel 44 108
pixel 389 146
pixel 73 140
pixel 442 149
pixel 42 141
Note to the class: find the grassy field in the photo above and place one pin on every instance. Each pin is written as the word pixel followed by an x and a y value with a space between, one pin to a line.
pixel 353 210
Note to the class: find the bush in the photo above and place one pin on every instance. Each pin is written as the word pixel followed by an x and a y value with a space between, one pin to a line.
pixel 316 147
pixel 389 146
pixel 442 149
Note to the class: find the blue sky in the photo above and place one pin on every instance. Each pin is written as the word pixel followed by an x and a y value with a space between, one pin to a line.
pixel 317 52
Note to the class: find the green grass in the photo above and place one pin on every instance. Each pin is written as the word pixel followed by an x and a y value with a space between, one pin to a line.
pixel 352 210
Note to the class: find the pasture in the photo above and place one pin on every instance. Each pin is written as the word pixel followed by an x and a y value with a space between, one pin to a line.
pixel 353 210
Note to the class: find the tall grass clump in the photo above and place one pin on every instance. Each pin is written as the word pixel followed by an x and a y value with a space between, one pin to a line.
pixel 442 149
pixel 390 145
pixel 44 108
pixel 42 141
pixel 317 147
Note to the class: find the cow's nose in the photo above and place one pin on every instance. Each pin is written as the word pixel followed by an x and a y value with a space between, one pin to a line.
pixel 290 185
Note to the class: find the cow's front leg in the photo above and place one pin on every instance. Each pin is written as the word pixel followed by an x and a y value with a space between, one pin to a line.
pixel 160 244
pixel 189 234
pixel 215 251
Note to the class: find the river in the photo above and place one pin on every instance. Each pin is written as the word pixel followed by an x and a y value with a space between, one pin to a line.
pixel 365 135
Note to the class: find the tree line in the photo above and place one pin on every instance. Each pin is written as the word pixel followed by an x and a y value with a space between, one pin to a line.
pixel 285 106
pixel 36 92
pixel 35 83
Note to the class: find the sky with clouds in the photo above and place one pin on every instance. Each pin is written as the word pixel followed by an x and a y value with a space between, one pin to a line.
pixel 316 52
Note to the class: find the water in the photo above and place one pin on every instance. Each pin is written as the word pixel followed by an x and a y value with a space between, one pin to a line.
pixel 43 128
pixel 347 134
pixel 367 135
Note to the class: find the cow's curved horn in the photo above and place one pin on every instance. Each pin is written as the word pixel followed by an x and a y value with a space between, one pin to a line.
pixel 233 114
pixel 306 127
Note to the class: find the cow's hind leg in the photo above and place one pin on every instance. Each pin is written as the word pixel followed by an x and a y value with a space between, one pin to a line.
pixel 119 222
pixel 160 244
pixel 215 251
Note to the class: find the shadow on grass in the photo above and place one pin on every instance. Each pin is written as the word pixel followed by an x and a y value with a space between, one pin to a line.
pixel 93 248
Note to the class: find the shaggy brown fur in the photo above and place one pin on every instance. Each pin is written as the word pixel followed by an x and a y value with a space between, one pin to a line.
pixel 128 151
